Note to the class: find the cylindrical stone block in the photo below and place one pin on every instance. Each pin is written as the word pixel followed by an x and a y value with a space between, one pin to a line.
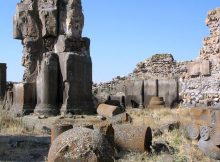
pixel 59 129
pixel 108 110
pixel 133 138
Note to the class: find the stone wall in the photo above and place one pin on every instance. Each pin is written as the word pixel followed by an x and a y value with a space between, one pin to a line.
pixel 138 93
pixel 159 66
pixel 201 85
pixel 198 80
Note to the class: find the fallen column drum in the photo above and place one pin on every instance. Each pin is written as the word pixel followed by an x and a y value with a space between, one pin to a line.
pixel 133 138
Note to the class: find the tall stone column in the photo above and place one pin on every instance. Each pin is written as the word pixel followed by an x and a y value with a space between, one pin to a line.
pixel 47 86
pixel 49 29
pixel 3 80
pixel 77 84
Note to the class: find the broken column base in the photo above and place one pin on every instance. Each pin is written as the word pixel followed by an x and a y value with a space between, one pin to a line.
pixel 20 110
pixel 48 110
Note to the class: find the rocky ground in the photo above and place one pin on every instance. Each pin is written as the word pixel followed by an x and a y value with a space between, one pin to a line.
pixel 28 138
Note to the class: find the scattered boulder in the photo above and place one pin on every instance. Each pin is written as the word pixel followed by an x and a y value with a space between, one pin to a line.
pixel 81 144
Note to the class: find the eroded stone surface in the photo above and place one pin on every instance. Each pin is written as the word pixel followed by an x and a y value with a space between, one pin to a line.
pixel 55 55
pixel 81 144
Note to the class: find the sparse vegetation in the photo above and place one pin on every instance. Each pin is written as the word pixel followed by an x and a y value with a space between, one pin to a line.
pixel 12 126
pixel 177 148
pixel 171 146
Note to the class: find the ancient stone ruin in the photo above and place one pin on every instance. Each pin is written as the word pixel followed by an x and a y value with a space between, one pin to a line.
pixel 58 66
pixel 155 77
pixel 200 86
pixel 161 81
pixel 189 83
pixel 58 80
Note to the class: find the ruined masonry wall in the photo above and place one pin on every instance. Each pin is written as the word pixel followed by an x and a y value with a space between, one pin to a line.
pixel 198 80
pixel 201 87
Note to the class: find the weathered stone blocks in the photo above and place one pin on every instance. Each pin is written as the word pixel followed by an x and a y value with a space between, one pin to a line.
pixel 199 68
pixel 24 98
pixel 169 90
pixel 25 24
pixel 55 55
pixel 134 94
pixel 194 69
pixel 49 22
pixel 81 144
pixel 205 68
pixel 150 90
pixel 76 73
pixel 71 18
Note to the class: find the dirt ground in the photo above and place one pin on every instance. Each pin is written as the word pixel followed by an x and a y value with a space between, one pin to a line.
pixel 28 138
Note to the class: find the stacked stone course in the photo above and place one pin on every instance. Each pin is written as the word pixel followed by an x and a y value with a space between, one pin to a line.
pixel 58 66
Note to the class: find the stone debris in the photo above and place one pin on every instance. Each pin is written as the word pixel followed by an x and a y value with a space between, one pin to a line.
pixel 108 110
pixel 159 66
pixel 81 144
pixel 205 129
pixel 58 80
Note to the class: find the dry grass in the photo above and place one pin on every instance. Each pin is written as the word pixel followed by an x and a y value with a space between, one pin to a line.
pixel 183 149
pixel 12 126
pixel 153 118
